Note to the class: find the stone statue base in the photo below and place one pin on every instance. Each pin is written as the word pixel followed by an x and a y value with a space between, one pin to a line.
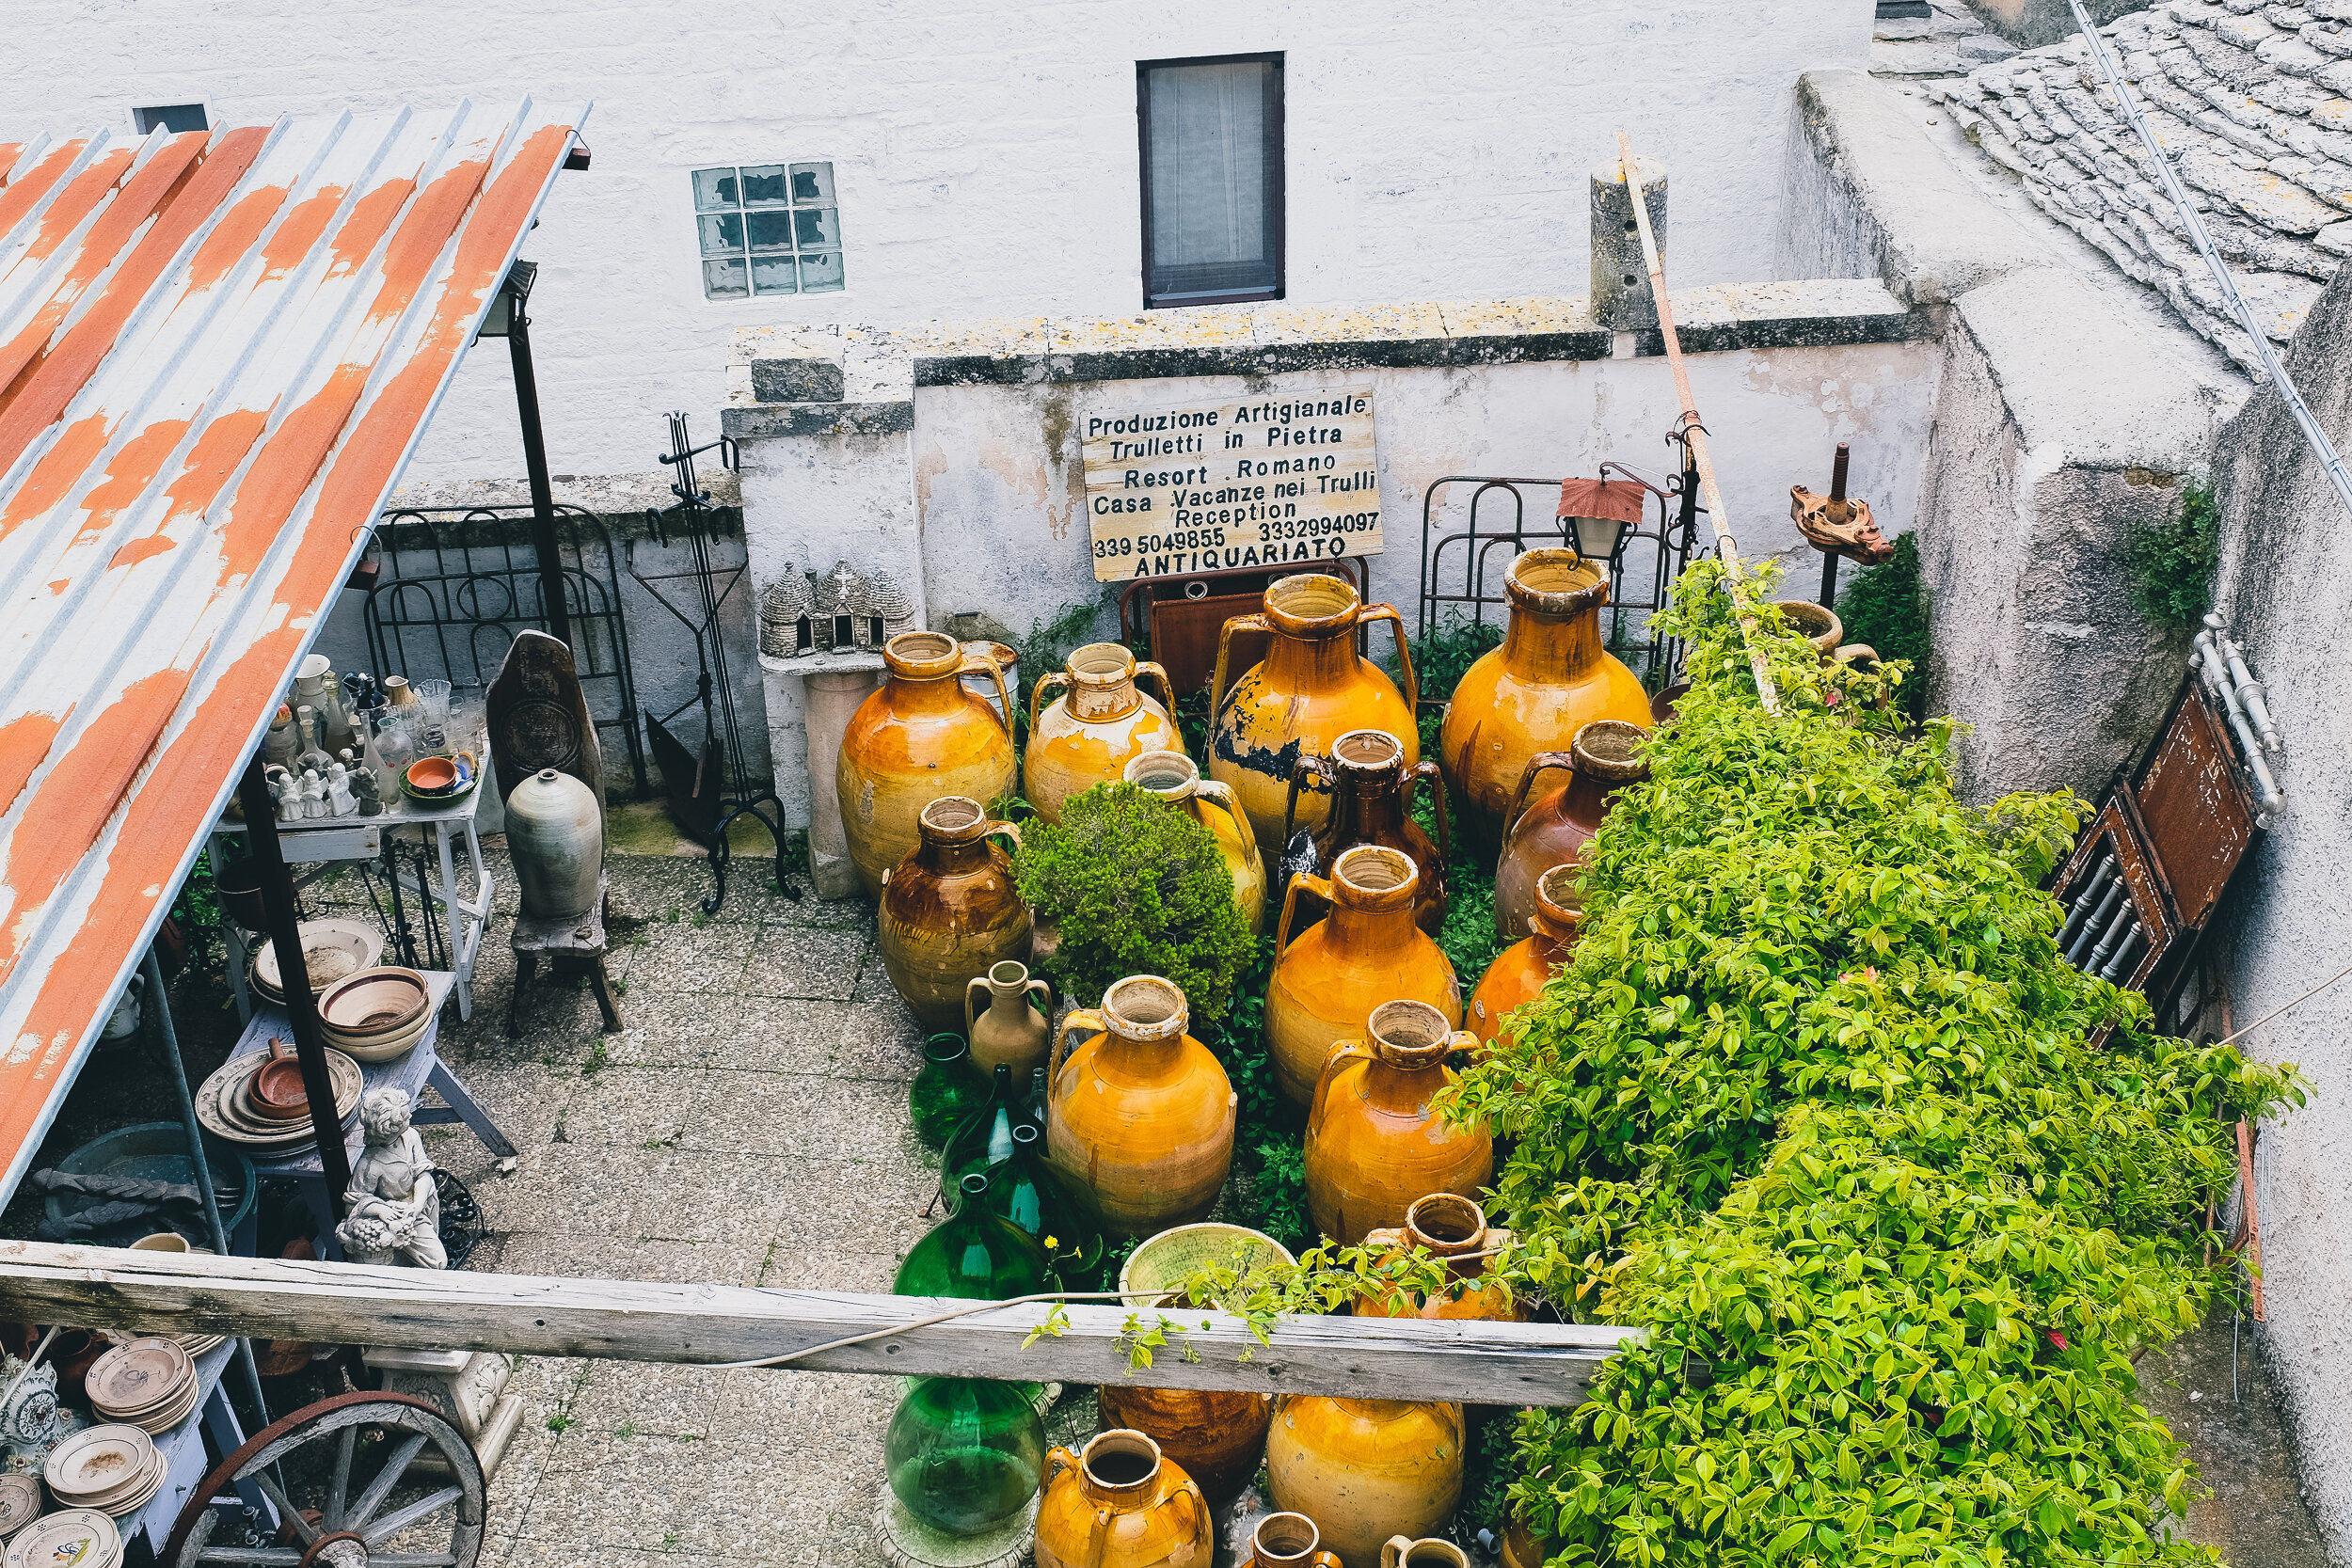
pixel 468 1387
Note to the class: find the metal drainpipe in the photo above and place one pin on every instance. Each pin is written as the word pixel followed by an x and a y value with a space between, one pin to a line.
pixel 554 608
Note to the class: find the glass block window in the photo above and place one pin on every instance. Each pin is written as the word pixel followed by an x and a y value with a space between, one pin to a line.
pixel 767 229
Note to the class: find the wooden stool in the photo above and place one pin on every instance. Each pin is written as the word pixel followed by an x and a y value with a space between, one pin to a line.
pixel 579 939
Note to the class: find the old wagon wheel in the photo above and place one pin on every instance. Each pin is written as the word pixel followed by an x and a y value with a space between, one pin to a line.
pixel 306 1465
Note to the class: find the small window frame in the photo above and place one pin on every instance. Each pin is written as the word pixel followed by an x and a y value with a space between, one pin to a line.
pixel 1277 182
pixel 789 205
pixel 145 125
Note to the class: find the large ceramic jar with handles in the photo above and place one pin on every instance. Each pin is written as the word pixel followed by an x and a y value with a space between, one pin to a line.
pixel 1311 688
pixel 949 911
pixel 1176 778
pixel 918 739
pixel 1605 757
pixel 1140 1111
pixel 1369 788
pixel 1520 970
pixel 1365 1470
pixel 1119 1503
pixel 1365 952
pixel 1548 679
pixel 1452 1227
pixel 1375 1140
pixel 1087 736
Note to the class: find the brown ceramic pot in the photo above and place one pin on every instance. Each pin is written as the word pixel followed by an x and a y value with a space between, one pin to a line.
pixel 1817 623
pixel 1605 758
pixel 950 912
pixel 1087 736
pixel 1002 1020
pixel 1141 1112
pixel 1373 1142
pixel 1289 1540
pixel 1119 1503
pixel 1548 679
pixel 1310 688
pixel 1368 792
pixel 1450 1225
pixel 1520 971
pixel 1365 1470
pixel 1176 778
pixel 918 739
pixel 1218 1436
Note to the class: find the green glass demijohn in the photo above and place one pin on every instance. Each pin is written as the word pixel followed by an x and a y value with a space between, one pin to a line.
pixel 1048 1207
pixel 985 1140
pixel 965 1455
pixel 975 1253
pixel 948 1092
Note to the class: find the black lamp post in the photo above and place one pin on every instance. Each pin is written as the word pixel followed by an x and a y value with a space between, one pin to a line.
pixel 508 320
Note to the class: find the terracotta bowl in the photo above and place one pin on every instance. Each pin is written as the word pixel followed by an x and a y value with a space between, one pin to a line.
pixel 277 1091
pixel 373 1003
pixel 432 775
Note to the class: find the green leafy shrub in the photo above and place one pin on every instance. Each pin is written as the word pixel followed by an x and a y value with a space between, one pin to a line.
pixel 1134 887
pixel 2171 564
pixel 1886 607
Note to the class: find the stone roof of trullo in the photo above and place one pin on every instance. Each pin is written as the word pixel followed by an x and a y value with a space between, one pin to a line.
pixel 2252 102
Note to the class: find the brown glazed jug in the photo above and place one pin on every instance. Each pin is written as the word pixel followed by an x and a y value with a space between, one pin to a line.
pixel 1001 1017
pixel 949 911
pixel 1375 1143
pixel 1448 1225
pixel 1548 679
pixel 1176 778
pixel 1141 1112
pixel 1365 1470
pixel 1367 951
pixel 1606 757
pixel 921 736
pixel 1369 790
pixel 1310 688
pixel 1520 971
pixel 1086 736
pixel 1119 1503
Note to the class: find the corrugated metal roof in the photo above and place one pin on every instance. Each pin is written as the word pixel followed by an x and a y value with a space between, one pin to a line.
pixel 216 351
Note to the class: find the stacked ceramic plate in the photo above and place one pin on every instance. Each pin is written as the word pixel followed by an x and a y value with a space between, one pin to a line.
pixel 195 1344
pixel 81 1536
pixel 148 1384
pixel 112 1470
pixel 19 1502
pixel 225 1105
pixel 330 950
pixel 376 1014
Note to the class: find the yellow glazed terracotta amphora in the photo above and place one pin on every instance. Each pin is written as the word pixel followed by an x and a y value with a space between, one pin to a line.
pixel 921 736
pixel 1176 778
pixel 1118 1503
pixel 1141 1112
pixel 950 912
pixel 1365 952
pixel 1370 788
pixel 1548 679
pixel 1365 1470
pixel 1451 1226
pixel 1605 757
pixel 1311 688
pixel 1520 971
pixel 1374 1141
pixel 1087 736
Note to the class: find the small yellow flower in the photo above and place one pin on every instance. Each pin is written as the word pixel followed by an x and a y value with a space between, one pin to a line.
pixel 1052 1242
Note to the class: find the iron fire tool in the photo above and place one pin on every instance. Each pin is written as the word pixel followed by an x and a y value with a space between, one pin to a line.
pixel 1836 526
pixel 716 793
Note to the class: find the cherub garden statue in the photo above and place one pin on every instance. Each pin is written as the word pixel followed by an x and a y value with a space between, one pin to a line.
pixel 395 1208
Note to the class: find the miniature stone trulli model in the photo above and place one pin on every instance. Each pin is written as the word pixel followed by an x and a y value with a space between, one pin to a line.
pixel 395 1208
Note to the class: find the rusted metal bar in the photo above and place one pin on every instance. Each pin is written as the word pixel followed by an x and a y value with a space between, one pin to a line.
pixel 1838 513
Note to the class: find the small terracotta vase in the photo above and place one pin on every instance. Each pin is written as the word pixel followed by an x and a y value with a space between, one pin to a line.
pixel 1365 1470
pixel 950 912
pixel 1520 971
pixel 1370 791
pixel 1603 759
pixel 1367 951
pixel 1430 1551
pixel 1118 1503
pixel 1310 688
pixel 1548 679
pixel 1010 1029
pixel 1141 1112
pixel 1288 1541
pixel 1450 1225
pixel 1087 735
pixel 1373 1143
pixel 1176 778
pixel 918 739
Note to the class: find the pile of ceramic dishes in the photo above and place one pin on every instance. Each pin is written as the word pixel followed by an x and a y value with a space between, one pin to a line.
pixel 19 1502
pixel 195 1344
pixel 376 1014
pixel 330 950
pixel 81 1536
pixel 147 1384
pixel 109 1470
pixel 439 780
pixel 273 1117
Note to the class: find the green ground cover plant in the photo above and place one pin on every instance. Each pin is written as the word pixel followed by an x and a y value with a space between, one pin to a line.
pixel 1886 607
pixel 2171 564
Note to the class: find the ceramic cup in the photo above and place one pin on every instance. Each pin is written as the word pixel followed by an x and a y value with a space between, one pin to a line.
pixel 1289 1540
pixel 163 1241
pixel 1428 1552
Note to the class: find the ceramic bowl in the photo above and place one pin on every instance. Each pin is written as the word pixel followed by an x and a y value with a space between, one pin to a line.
pixel 381 1048
pixel 331 949
pixel 432 776
pixel 375 1003
pixel 278 1088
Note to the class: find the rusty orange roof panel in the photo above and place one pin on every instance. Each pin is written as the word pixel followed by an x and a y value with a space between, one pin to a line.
pixel 217 352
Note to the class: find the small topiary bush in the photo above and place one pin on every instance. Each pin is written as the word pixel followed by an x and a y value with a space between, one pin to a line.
pixel 1134 887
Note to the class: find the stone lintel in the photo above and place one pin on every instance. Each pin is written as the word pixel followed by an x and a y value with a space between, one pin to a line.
pixel 761 423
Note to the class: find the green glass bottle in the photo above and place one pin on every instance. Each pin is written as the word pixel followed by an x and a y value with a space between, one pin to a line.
pixel 985 1141
pixel 948 1092
pixel 1047 1206
pixel 975 1253
pixel 965 1454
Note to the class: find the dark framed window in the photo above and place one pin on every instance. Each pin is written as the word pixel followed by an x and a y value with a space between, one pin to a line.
pixel 1211 145
pixel 767 229
pixel 174 117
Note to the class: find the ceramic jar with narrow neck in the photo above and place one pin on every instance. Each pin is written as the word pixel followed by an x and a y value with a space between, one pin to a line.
pixel 1140 1112
pixel 1289 1540
pixel 1365 1470
pixel 1087 736
pixel 1520 971
pixel 1311 688
pixel 1374 1141
pixel 1002 1017
pixel 1548 679
pixel 920 738
pixel 950 912
pixel 1451 1226
pixel 1605 757
pixel 1119 1502
pixel 555 831
pixel 1176 778
pixel 1368 788
pixel 1365 952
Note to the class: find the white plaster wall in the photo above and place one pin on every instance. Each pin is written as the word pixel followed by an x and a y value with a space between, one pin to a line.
pixel 985 156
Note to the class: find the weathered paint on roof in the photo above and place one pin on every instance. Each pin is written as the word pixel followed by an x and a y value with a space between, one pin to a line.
pixel 217 352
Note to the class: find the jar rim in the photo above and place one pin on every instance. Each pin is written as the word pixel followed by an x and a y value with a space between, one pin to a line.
pixel 923 655
pixel 1554 582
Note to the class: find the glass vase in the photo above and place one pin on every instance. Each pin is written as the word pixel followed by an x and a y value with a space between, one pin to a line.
pixel 964 1455
pixel 976 1253
pixel 948 1092
pixel 985 1139
pixel 1046 1206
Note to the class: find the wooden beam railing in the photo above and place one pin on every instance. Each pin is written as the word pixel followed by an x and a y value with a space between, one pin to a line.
pixel 1393 1358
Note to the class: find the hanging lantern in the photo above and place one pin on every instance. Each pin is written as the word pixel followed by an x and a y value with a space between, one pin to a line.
pixel 1596 513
